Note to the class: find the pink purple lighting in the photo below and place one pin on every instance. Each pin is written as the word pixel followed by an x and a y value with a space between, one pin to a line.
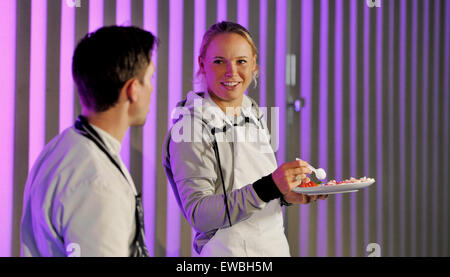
pixel 95 15
pixel 379 128
pixel 175 91
pixel 323 126
pixel 242 13
pixel 199 30
pixel 37 79
pixel 402 84
pixel 425 89
pixel 149 163
pixel 66 87
pixel 353 116
pixel 435 131
pixel 221 10
pixel 446 119
pixel 280 72
pixel 262 52
pixel 123 18
pixel 366 93
pixel 338 121
pixel 413 129
pixel 7 79
pixel 391 131
pixel 307 29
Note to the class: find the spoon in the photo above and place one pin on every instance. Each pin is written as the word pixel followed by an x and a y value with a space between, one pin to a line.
pixel 319 172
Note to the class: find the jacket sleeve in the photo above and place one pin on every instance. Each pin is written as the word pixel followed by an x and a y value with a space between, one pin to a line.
pixel 193 173
pixel 97 220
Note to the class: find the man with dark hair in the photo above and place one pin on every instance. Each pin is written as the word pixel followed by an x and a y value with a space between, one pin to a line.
pixel 80 199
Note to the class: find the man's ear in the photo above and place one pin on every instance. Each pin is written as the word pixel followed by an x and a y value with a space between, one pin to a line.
pixel 131 90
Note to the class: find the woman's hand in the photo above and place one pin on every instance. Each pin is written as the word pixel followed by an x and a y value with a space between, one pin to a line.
pixel 297 198
pixel 290 175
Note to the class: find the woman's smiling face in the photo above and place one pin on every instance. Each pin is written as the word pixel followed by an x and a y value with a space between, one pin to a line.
pixel 228 66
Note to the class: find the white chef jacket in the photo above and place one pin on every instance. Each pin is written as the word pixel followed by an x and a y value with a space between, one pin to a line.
pixel 76 202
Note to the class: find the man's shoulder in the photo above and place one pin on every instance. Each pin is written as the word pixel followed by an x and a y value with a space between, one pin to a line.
pixel 70 145
pixel 68 156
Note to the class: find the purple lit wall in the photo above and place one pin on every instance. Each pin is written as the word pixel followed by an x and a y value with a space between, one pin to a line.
pixel 123 18
pixel 175 71
pixel 305 91
pixel 66 89
pixel 375 83
pixel 149 157
pixel 7 79
pixel 37 78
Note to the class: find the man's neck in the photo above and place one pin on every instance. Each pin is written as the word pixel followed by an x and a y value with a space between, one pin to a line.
pixel 111 121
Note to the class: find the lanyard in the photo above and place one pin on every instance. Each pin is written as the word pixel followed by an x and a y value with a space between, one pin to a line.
pixel 86 130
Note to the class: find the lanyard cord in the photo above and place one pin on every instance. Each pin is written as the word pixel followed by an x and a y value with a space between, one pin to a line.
pixel 225 197
pixel 86 130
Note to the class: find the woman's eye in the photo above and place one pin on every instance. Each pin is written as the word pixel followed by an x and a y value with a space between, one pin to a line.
pixel 242 61
pixel 217 61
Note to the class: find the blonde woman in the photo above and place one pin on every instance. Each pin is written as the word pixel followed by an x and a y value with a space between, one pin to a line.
pixel 226 181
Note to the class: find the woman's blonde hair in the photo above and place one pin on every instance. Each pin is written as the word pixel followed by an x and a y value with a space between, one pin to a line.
pixel 226 27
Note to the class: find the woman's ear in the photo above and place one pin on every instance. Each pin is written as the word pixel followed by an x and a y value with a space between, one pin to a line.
pixel 255 65
pixel 201 65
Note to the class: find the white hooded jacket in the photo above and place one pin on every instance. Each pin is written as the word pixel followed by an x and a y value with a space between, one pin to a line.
pixel 192 166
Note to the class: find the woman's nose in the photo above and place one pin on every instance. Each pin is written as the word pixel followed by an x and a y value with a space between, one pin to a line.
pixel 231 70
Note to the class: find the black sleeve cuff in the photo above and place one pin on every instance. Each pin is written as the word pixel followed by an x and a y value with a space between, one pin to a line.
pixel 266 188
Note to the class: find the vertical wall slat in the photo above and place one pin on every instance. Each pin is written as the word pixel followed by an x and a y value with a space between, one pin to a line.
pixel 81 29
pixel 424 129
pixel 52 69
pixel 162 101
pixel 322 130
pixel 338 128
pixel 384 181
pixel 137 132
pixel 371 167
pixel 445 126
pixel 187 77
pixel 150 155
pixel 37 79
pixel 175 87
pixel 359 125
pixel 314 122
pixel 292 214
pixel 21 121
pixel 407 21
pixel 253 25
pixel 380 87
pixel 346 83
pixel 67 46
pixel 14 56
pixel 306 48
pixel 413 134
pixel 123 18
pixel 330 132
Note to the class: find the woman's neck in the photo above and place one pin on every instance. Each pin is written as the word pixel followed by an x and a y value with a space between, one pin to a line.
pixel 228 107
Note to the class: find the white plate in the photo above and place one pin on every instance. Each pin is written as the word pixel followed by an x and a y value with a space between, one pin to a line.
pixel 334 189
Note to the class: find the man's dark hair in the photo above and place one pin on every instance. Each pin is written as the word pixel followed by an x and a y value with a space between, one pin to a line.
pixel 106 59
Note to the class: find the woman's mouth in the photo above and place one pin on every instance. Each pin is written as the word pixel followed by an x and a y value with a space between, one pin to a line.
pixel 229 85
